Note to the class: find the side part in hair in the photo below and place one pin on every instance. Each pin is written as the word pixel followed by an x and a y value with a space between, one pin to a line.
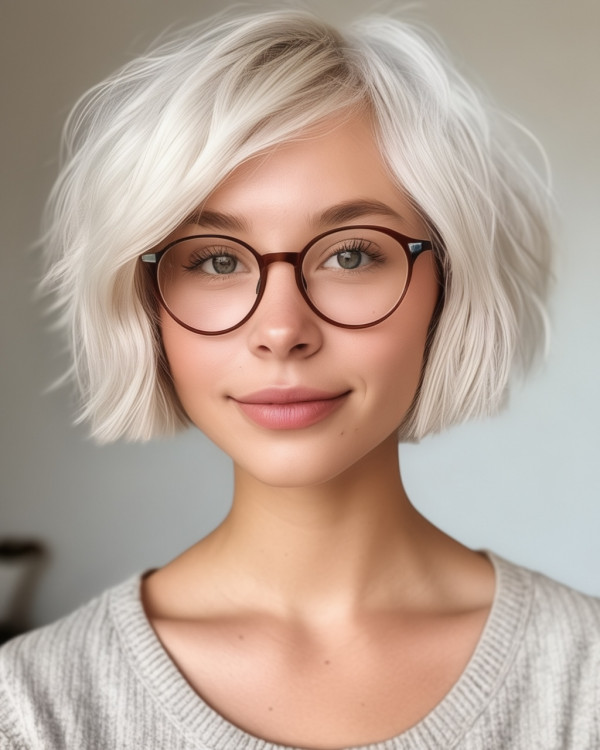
pixel 145 148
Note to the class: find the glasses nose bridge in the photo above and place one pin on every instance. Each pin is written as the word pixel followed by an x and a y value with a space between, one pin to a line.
pixel 294 259
pixel 291 258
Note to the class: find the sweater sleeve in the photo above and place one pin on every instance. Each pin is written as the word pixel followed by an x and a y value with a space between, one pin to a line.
pixel 11 737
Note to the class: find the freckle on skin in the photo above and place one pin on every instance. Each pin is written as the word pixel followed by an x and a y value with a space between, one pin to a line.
pixel 241 637
pixel 327 661
pixel 270 708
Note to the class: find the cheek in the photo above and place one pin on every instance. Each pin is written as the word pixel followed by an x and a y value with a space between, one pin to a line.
pixel 193 364
pixel 202 368
pixel 392 372
pixel 180 352
pixel 396 350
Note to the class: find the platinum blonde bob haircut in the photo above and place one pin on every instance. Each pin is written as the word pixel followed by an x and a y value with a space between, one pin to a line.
pixel 145 148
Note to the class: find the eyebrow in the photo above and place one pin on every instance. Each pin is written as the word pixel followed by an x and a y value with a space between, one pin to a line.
pixel 355 209
pixel 218 220
pixel 340 213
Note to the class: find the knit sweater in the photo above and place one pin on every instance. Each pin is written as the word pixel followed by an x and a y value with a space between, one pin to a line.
pixel 100 680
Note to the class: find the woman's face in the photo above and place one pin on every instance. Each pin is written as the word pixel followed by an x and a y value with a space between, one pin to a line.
pixel 340 393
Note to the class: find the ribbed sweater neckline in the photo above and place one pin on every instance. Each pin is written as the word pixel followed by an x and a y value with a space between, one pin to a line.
pixel 443 726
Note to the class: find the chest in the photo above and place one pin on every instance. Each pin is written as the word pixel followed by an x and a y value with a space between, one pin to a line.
pixel 340 686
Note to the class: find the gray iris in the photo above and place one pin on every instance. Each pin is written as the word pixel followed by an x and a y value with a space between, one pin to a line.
pixel 349 258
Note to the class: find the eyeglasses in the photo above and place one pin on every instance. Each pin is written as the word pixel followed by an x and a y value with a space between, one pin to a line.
pixel 352 277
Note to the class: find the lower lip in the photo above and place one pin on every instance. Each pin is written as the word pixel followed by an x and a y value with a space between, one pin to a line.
pixel 293 416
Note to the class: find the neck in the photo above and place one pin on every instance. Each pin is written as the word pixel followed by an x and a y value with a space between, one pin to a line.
pixel 346 543
pixel 325 552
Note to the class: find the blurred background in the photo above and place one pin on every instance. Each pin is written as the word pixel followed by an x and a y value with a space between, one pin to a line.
pixel 526 484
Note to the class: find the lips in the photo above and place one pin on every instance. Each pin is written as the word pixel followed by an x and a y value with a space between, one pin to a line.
pixel 289 408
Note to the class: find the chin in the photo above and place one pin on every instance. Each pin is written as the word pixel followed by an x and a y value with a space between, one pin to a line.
pixel 294 479
pixel 294 468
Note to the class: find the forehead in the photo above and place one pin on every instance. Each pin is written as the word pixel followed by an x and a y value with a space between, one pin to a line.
pixel 308 178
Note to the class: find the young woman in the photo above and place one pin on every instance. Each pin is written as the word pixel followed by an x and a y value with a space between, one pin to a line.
pixel 309 245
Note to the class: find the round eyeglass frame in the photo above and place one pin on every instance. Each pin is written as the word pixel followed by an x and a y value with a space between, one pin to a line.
pixel 412 248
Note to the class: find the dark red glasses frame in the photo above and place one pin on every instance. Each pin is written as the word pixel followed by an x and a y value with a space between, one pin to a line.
pixel 412 248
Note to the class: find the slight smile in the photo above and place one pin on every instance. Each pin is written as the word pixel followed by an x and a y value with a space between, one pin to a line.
pixel 289 408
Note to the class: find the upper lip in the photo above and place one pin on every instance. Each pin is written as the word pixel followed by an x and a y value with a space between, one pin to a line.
pixel 288 396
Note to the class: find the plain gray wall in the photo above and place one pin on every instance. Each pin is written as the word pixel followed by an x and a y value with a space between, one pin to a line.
pixel 525 484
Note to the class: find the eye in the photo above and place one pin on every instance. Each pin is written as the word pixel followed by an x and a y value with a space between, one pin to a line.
pixel 214 261
pixel 352 255
pixel 222 264
pixel 347 259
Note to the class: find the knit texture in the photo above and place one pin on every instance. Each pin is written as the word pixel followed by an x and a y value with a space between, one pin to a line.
pixel 100 679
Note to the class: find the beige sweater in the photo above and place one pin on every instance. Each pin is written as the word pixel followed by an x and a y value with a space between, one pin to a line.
pixel 100 680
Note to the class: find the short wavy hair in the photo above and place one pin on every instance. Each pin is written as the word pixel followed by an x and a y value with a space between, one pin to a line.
pixel 144 149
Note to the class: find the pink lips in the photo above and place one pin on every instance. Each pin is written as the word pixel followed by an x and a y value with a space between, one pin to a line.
pixel 289 408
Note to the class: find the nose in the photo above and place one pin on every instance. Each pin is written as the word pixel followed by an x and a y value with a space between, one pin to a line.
pixel 283 325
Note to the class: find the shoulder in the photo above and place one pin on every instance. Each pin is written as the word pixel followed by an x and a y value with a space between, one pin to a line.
pixel 564 634
pixel 551 676
pixel 563 617
pixel 559 622
pixel 56 649
pixel 551 606
pixel 48 672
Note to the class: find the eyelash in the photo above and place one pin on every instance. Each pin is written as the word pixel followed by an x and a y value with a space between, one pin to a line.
pixel 201 256
pixel 361 247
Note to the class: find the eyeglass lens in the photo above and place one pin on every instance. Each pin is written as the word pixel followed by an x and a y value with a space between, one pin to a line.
pixel 353 277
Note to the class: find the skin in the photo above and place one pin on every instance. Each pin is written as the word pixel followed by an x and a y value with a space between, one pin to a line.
pixel 325 611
